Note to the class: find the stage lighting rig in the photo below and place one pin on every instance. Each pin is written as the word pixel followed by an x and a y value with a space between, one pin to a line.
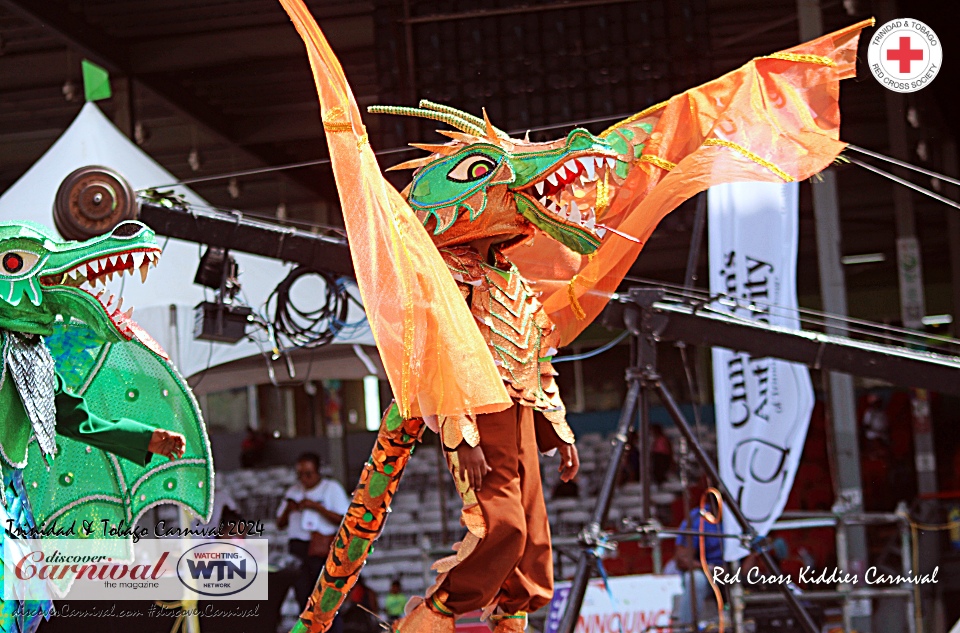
pixel 220 320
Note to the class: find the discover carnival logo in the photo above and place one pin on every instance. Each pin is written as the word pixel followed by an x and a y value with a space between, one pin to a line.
pixel 905 55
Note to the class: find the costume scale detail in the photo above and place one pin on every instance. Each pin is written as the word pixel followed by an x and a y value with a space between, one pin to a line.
pixel 81 385
pixel 500 251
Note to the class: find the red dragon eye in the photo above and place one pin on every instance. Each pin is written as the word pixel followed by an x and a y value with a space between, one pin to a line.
pixel 12 262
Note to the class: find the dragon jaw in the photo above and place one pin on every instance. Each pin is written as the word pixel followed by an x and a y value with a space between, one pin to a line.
pixel 569 196
pixel 59 278
pixel 483 187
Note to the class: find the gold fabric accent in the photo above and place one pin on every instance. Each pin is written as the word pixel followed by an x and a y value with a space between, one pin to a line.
pixel 450 433
pixel 454 430
pixel 471 517
pixel 798 57
pixel 574 302
pixel 744 151
pixel 656 160
pixel 469 431
pixel 509 623
pixel 334 121
pixel 363 140
pixel 634 117
pixel 423 618
pixel 603 195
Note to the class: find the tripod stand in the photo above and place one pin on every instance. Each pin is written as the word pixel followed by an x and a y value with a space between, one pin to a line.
pixel 645 325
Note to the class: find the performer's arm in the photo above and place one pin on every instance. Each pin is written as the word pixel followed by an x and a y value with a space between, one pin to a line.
pixel 548 440
pixel 124 437
pixel 472 464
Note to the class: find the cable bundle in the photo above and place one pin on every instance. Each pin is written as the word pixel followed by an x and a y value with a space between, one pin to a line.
pixel 309 328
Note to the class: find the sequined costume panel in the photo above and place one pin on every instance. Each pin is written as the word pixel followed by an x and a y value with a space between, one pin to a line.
pixel 16 614
pixel 519 334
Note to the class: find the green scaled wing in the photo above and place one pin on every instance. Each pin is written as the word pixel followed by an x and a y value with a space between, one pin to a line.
pixel 119 380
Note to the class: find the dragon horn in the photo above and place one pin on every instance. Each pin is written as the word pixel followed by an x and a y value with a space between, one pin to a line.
pixel 491 131
pixel 450 119
pixel 439 107
pixel 443 150
pixel 416 163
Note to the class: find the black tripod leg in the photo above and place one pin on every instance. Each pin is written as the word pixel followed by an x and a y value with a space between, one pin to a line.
pixel 587 560
pixel 667 399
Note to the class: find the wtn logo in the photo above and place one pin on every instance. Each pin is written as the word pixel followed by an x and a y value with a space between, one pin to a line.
pixel 217 569
pixel 225 568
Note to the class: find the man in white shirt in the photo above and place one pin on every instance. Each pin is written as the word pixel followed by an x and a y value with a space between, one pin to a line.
pixel 314 504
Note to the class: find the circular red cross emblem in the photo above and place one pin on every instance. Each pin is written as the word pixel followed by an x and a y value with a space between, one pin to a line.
pixel 904 55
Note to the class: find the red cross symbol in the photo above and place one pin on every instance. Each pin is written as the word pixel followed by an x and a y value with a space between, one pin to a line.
pixel 905 54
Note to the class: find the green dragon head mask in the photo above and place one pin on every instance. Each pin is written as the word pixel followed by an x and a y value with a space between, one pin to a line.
pixel 485 184
pixel 42 276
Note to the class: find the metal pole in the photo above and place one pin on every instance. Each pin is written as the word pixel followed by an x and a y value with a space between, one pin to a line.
pixel 843 562
pixel 731 503
pixel 696 239
pixel 586 560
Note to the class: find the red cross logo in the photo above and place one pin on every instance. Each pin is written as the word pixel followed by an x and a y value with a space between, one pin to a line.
pixel 905 54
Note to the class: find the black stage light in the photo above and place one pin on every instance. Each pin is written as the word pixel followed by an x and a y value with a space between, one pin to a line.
pixel 217 321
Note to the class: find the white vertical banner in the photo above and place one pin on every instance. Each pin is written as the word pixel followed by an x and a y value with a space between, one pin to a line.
pixel 763 405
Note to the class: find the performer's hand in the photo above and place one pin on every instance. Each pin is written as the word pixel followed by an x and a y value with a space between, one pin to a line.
pixel 167 443
pixel 569 462
pixel 473 463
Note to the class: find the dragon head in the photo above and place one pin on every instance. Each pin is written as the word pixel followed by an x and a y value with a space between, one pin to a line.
pixel 42 276
pixel 483 183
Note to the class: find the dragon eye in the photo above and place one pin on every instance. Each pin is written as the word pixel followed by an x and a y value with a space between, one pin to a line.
pixel 472 168
pixel 16 262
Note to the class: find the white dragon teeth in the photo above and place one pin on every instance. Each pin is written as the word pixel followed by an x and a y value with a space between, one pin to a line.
pixel 138 258
pixel 552 179
pixel 611 163
pixel 601 232
pixel 591 220
pixel 571 165
pixel 561 173
pixel 539 188
pixel 574 213
pixel 589 167
pixel 113 260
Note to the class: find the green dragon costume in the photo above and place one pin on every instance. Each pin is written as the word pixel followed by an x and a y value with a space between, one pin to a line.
pixel 75 365
pixel 500 251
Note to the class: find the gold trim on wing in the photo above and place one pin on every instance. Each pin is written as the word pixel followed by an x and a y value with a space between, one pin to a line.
pixel 801 57
pixel 662 163
pixel 632 118
pixel 748 154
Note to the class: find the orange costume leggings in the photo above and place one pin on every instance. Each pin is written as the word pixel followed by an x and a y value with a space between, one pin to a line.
pixel 512 566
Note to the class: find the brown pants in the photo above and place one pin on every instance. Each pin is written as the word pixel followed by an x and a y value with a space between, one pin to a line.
pixel 513 564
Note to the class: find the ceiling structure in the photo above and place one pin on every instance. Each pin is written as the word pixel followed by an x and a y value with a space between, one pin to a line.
pixel 212 87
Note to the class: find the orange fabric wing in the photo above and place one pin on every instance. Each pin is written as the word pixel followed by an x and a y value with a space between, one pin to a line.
pixel 775 119
pixel 435 358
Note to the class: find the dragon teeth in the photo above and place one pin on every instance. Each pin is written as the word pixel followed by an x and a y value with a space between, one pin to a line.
pixel 144 267
pixel 601 232
pixel 574 213
pixel 571 165
pixel 611 163
pixel 561 173
pixel 589 167
pixel 539 188
pixel 138 258
pixel 591 221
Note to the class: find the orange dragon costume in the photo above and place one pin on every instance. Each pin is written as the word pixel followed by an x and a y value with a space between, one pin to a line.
pixel 466 337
